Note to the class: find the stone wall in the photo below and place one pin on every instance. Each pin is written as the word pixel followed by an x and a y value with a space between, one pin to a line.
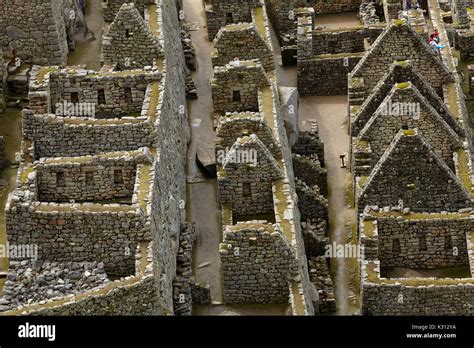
pixel 55 137
pixel 320 276
pixel 465 43
pixel 63 235
pixel 445 241
pixel 404 297
pixel 400 42
pixel 133 295
pixel 169 213
pixel 244 185
pixel 3 156
pixel 88 87
pixel 311 203
pixel 220 13
pixel 310 144
pixel 335 6
pixel 431 187
pixel 309 170
pixel 243 41
pixel 325 75
pixel 182 283
pixel 257 262
pixel 112 7
pixel 405 108
pixel 237 125
pixel 341 40
pixel 98 179
pixel 130 42
pixel 241 77
pixel 36 30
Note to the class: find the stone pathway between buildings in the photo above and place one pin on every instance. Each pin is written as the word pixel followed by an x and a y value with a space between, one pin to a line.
pixel 203 208
pixel 331 116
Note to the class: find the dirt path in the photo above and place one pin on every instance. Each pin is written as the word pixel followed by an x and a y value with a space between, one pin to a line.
pixel 338 20
pixel 203 207
pixel 331 116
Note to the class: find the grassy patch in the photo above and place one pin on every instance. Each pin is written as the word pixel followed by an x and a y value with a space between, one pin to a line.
pixel 43 72
pixel 463 170
pixel 369 228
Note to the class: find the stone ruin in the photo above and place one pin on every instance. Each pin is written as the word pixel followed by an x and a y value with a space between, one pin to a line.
pixel 112 7
pixel 412 170
pixel 286 16
pixel 39 32
pixel 94 183
pixel 139 46
pixel 263 255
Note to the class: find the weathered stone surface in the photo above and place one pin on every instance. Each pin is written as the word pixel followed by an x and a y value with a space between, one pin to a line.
pixel 130 42
pixel 206 159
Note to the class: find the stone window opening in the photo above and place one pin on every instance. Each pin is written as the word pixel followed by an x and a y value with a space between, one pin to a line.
pixel 236 97
pixel 89 178
pixel 396 248
pixel 229 18
pixel 448 243
pixel 128 33
pixel 128 95
pixel 253 241
pixel 246 190
pixel 101 97
pixel 118 177
pixel 74 97
pixel 422 243
pixel 60 181
pixel 331 47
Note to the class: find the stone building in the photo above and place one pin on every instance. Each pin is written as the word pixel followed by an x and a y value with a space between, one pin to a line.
pixel 410 173
pixel 262 250
pixel 231 39
pixel 286 14
pixel 130 42
pixel 90 189
pixel 400 42
pixel 326 56
pixel 413 240
pixel 220 13
pixel 412 177
pixel 36 31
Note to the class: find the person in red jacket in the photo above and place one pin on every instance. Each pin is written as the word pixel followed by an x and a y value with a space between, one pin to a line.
pixel 434 36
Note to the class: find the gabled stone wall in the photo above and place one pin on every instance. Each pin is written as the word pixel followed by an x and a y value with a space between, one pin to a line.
pixel 243 41
pixel 130 42
pixel 400 42
pixel 257 262
pixel 112 7
pixel 244 185
pixel 405 108
pixel 411 172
